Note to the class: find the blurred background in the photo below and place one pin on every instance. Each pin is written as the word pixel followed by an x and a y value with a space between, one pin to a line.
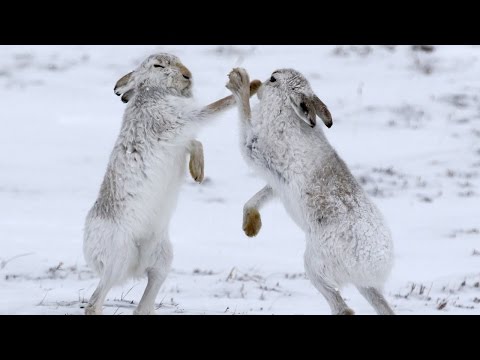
pixel 406 121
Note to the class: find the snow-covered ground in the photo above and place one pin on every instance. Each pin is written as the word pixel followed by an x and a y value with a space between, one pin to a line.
pixel 406 121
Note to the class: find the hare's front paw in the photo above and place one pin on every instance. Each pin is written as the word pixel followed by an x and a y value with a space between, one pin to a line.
pixel 251 222
pixel 196 167
pixel 238 81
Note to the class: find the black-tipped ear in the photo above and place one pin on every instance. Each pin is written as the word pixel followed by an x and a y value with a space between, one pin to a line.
pixel 309 112
pixel 122 84
pixel 254 86
pixel 322 111
pixel 125 87
pixel 304 108
pixel 128 95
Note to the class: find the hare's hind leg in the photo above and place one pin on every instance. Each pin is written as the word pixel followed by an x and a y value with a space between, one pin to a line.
pixel 376 299
pixel 156 276
pixel 108 279
pixel 95 304
pixel 326 288
pixel 333 297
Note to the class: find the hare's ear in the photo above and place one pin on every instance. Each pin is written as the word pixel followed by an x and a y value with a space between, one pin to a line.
pixel 124 86
pixel 322 111
pixel 304 108
pixel 128 95
pixel 254 86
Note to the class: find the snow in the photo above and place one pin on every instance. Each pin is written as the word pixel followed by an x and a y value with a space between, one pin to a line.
pixel 406 122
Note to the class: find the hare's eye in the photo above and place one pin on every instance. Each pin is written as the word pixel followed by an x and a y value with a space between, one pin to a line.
pixel 158 66
pixel 272 79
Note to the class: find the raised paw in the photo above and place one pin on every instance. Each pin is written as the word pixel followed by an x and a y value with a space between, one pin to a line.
pixel 252 222
pixel 196 168
pixel 197 162
pixel 238 81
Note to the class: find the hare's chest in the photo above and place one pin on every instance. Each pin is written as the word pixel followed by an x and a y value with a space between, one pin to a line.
pixel 257 149
pixel 266 151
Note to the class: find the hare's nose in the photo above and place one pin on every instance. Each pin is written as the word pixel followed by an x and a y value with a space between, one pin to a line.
pixel 184 71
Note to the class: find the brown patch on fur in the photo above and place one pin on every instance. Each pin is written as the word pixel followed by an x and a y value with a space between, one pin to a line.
pixel 331 192
pixel 252 222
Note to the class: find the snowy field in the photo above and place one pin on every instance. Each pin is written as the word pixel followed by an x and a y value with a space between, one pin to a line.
pixel 406 121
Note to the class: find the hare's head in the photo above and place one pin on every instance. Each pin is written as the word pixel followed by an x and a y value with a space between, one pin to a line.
pixel 163 71
pixel 292 88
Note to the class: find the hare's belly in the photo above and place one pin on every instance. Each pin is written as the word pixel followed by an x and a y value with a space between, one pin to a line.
pixel 158 196
pixel 292 204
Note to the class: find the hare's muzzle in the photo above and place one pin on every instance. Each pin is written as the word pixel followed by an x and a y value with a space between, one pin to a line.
pixel 185 72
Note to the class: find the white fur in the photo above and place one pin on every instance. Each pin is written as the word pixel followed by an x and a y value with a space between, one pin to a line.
pixel 347 240
pixel 126 231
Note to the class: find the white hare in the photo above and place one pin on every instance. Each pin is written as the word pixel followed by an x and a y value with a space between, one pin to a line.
pixel 347 240
pixel 126 230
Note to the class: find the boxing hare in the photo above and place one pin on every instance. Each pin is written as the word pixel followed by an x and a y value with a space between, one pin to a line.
pixel 347 240
pixel 126 230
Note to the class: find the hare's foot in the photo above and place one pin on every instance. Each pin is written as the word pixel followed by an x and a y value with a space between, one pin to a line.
pixel 346 311
pixel 95 304
pixel 325 285
pixel 138 311
pixel 252 222
pixel 377 300
pixel 156 276
pixel 92 310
